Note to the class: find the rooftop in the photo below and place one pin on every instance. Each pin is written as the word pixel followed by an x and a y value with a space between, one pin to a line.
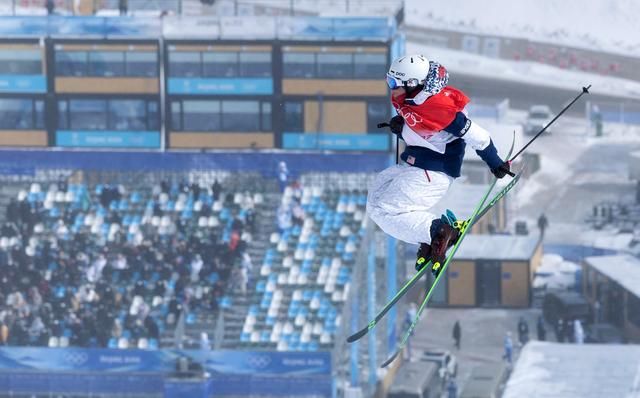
pixel 497 247
pixel 623 269
pixel 546 370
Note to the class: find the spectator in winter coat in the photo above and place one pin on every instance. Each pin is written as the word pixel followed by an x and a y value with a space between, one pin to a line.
pixel 542 333
pixel 508 348
pixel 578 332
pixel 457 334
pixel 523 331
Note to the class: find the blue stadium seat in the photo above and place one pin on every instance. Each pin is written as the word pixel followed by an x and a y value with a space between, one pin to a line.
pixel 214 277
pixel 225 302
pixel 313 345
pixel 135 197
pixel 153 344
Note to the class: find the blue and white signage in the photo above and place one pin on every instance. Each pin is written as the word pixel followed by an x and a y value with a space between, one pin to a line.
pixel 252 86
pixel 337 142
pixel 23 84
pixel 108 139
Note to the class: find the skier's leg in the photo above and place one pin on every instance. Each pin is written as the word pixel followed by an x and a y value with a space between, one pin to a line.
pixel 401 198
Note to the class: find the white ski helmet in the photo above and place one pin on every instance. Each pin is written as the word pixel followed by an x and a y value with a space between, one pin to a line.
pixel 408 71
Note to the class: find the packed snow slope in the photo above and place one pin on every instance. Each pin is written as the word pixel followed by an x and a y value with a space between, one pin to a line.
pixel 605 25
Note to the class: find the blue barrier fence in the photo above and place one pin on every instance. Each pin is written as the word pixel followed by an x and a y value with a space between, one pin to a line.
pixel 80 371
pixel 26 162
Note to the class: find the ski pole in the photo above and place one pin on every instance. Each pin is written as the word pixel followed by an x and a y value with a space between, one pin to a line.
pixel 382 125
pixel 585 90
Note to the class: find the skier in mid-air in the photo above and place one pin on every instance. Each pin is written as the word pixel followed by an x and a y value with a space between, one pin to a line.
pixel 432 122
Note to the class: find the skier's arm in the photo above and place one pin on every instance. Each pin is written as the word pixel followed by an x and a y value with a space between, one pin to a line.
pixel 479 139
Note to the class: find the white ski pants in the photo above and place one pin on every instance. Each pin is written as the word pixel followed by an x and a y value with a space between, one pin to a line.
pixel 400 201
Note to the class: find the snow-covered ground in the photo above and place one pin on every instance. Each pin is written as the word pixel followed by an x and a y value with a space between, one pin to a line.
pixel 526 72
pixel 547 370
pixel 578 171
pixel 555 273
pixel 605 25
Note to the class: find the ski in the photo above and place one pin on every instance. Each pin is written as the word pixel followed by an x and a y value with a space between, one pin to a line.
pixel 362 332
pixel 477 213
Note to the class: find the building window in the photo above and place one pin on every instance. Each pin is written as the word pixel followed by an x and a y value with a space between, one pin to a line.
pixel 293 117
pixel 63 115
pixel 228 115
pixel 266 116
pixel 370 65
pixel 39 115
pixel 153 116
pixel 176 116
pixel 220 64
pixel 115 114
pixel 21 114
pixel 241 116
pixel 184 64
pixel 201 115
pixel 127 115
pixel 88 115
pixel 255 64
pixel 20 62
pixel 71 63
pixel 142 64
pixel 106 63
pixel 296 65
pixel 335 65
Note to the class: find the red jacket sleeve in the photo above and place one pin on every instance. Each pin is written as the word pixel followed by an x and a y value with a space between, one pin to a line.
pixel 433 115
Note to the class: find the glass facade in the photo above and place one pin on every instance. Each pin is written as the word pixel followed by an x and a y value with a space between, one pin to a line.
pixel 334 65
pixel 217 115
pixel 112 114
pixel 106 64
pixel 219 64
pixel 21 114
pixel 20 62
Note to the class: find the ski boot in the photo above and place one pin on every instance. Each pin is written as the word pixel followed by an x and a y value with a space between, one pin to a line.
pixel 444 234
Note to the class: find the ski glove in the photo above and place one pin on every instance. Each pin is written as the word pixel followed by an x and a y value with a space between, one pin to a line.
pixel 502 170
pixel 396 124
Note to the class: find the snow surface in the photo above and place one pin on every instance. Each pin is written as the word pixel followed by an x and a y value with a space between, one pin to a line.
pixel 553 370
pixel 526 72
pixel 555 273
pixel 605 25
pixel 623 269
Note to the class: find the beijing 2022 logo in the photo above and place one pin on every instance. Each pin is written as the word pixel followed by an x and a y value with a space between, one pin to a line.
pixel 258 361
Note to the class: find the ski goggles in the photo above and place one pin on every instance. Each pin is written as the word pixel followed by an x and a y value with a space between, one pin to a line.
pixel 394 82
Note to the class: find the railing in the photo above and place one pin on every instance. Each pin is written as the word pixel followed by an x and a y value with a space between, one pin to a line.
pixel 352 314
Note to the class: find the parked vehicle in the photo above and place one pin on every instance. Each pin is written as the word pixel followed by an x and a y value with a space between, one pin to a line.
pixel 539 117
pixel 486 381
pixel 566 306
pixel 446 361
pixel 417 380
